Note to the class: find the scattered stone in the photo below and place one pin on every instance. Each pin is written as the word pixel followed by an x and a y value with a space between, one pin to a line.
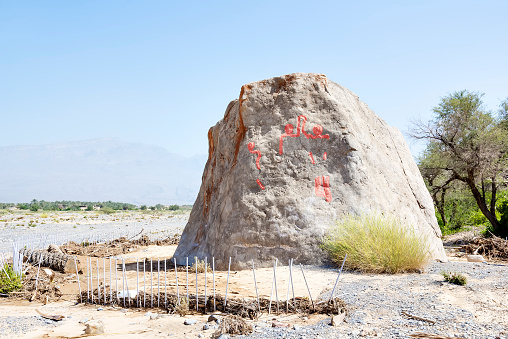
pixel 214 317
pixel 190 321
pixel 206 327
pixel 279 324
pixel 94 327
pixel 100 309
pixel 475 258
pixel 338 319
pixel 367 332
pixel 154 316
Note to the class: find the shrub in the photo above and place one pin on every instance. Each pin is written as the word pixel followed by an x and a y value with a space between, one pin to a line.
pixel 107 210
pixel 376 243
pixel 454 278
pixel 9 280
pixel 201 266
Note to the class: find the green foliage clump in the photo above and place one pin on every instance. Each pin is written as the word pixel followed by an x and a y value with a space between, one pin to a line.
pixel 10 281
pixel 173 207
pixel 376 243
pixel 454 278
pixel 107 210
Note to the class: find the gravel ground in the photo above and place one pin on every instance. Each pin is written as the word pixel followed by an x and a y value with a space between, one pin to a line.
pixel 34 231
pixel 377 307
pixel 12 326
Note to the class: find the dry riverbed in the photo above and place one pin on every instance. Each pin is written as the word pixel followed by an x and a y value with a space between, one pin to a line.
pixel 383 306
pixel 41 228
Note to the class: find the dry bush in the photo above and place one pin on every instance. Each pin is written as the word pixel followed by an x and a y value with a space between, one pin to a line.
pixel 200 266
pixel 233 324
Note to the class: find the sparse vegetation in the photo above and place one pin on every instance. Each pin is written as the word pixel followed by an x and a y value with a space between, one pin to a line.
pixel 182 308
pixel 376 243
pixel 201 266
pixel 107 210
pixel 10 281
pixel 454 278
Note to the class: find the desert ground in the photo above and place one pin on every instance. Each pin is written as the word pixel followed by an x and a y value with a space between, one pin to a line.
pixel 385 306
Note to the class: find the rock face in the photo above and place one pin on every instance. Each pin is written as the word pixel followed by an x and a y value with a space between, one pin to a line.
pixel 290 156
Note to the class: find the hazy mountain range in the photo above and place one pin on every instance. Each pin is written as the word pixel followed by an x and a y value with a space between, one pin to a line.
pixel 99 170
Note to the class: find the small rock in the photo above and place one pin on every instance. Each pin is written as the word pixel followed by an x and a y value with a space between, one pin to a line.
pixel 305 318
pixel 367 332
pixel 279 324
pixel 223 336
pixel 214 317
pixel 190 321
pixel 206 327
pixel 154 316
pixel 84 320
pixel 94 327
pixel 475 258
pixel 200 335
pixel 148 314
pixel 296 327
pixel 338 319
pixel 100 309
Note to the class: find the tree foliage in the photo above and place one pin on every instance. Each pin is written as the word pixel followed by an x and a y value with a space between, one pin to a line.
pixel 466 144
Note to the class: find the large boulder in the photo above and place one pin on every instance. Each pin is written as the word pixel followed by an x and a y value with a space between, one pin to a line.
pixel 291 156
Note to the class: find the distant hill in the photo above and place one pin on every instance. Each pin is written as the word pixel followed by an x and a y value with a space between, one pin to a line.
pixel 99 170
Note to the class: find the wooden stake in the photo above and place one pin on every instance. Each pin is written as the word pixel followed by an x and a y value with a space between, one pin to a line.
pixel 151 283
pixel 227 285
pixel 336 281
pixel 110 283
pixel 177 290
pixel 137 282
pixel 87 282
pixel 187 276
pixel 197 298
pixel 165 284
pixel 126 283
pixel 91 277
pixel 144 283
pixel 271 290
pixel 104 281
pixel 77 277
pixel 275 279
pixel 213 273
pixel 116 283
pixel 206 269
pixel 123 284
pixel 255 284
pixel 308 289
pixel 98 283
pixel 289 286
pixel 158 283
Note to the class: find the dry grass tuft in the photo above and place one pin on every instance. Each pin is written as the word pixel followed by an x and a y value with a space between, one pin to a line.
pixel 233 324
pixel 376 243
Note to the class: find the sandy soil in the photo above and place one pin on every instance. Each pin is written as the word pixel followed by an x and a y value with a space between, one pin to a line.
pixel 486 303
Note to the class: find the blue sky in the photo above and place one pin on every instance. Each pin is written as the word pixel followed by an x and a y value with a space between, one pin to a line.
pixel 163 72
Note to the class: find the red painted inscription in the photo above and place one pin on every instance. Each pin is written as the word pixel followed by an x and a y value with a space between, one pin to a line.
pixel 322 187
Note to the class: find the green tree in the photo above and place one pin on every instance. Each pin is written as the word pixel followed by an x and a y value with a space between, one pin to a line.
pixel 468 144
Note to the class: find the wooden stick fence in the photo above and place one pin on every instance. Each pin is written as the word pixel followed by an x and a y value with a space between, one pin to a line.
pixel 208 302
